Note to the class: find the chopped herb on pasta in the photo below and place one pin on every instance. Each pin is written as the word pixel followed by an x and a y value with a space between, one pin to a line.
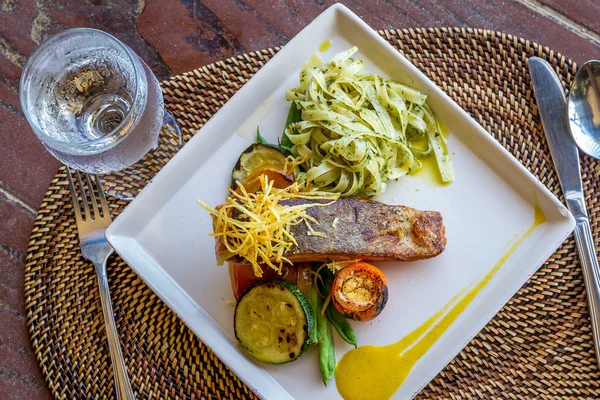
pixel 358 130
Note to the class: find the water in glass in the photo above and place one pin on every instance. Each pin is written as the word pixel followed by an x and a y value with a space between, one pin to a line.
pixel 91 101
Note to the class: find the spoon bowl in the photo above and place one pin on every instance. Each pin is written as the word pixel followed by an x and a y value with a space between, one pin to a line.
pixel 584 108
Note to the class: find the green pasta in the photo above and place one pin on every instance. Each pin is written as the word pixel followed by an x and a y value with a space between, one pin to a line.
pixel 358 130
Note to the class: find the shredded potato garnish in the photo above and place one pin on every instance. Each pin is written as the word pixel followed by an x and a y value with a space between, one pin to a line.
pixel 292 163
pixel 261 231
pixel 335 266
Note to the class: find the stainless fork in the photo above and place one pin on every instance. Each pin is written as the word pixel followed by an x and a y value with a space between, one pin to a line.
pixel 95 248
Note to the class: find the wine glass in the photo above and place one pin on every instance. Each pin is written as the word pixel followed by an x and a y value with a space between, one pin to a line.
pixel 96 106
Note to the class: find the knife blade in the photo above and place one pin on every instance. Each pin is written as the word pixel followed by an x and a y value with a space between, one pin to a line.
pixel 553 111
pixel 552 106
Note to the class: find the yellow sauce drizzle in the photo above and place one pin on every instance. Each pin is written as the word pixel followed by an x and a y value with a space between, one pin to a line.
pixel 376 372
pixel 325 46
pixel 429 170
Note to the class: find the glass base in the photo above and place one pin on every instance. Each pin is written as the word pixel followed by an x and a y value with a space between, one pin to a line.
pixel 126 184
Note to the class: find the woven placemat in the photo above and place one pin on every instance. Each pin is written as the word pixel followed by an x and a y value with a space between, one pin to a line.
pixel 538 346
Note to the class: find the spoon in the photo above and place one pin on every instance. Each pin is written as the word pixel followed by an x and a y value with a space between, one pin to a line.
pixel 584 108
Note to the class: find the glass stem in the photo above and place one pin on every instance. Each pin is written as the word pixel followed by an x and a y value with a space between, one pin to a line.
pixel 171 125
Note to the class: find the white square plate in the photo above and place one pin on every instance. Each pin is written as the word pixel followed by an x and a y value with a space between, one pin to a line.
pixel 163 234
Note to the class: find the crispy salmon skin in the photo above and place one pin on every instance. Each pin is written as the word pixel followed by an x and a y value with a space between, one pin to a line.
pixel 366 230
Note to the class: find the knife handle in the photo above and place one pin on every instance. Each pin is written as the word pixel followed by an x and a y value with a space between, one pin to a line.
pixel 591 274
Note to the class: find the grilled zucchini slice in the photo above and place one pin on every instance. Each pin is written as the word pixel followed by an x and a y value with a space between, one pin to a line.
pixel 254 157
pixel 273 322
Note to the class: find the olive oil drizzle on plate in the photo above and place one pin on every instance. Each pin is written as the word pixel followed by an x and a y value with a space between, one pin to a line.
pixel 325 46
pixel 429 171
pixel 376 372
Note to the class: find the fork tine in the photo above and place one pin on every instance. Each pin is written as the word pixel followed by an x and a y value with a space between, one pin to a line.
pixel 84 200
pixel 103 203
pixel 93 196
pixel 76 205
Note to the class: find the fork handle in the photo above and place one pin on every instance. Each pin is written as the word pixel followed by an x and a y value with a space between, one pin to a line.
pixel 122 385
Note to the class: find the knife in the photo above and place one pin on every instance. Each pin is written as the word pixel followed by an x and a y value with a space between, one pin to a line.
pixel 553 111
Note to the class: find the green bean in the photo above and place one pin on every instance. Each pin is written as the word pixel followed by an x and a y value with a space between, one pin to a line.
pixel 326 349
pixel 327 281
pixel 313 299
pixel 294 115
pixel 259 138
pixel 341 325
pixel 339 322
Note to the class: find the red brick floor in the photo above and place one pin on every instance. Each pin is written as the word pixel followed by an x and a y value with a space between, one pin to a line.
pixel 174 36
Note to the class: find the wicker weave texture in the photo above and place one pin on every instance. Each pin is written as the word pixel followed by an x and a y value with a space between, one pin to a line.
pixel 539 345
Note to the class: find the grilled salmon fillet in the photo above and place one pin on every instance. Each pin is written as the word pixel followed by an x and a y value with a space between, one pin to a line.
pixel 365 229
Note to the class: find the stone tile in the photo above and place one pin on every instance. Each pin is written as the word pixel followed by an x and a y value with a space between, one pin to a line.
pixel 195 33
pixel 285 17
pixel 584 12
pixel 9 73
pixel 113 16
pixel 9 96
pixel 12 270
pixel 189 35
pixel 26 168
pixel 12 300
pixel 15 31
pixel 13 332
pixel 514 18
pixel 22 364
pixel 15 227
pixel 13 388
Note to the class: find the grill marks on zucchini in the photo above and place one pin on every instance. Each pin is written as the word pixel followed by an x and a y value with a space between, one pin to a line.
pixel 256 157
pixel 273 322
